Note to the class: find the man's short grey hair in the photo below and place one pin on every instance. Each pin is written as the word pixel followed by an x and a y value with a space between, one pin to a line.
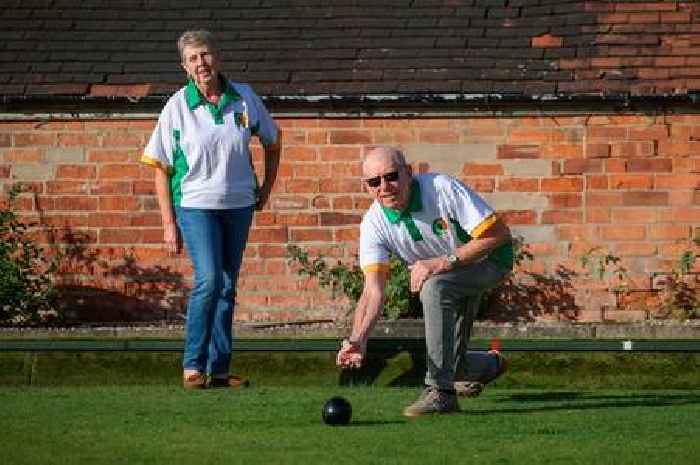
pixel 397 156
pixel 196 38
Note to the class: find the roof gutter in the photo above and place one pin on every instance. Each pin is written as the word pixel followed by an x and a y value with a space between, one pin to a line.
pixel 354 105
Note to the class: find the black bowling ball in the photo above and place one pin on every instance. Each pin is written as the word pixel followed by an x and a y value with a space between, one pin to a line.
pixel 337 411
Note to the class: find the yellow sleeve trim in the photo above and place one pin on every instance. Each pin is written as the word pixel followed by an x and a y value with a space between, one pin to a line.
pixel 150 161
pixel 376 268
pixel 484 225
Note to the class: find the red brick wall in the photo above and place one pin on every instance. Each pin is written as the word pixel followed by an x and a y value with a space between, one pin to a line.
pixel 629 184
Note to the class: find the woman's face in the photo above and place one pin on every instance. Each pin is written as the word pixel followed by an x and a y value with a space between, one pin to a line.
pixel 200 63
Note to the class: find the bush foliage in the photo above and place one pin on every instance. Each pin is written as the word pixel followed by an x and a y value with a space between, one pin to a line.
pixel 525 294
pixel 27 294
pixel 349 280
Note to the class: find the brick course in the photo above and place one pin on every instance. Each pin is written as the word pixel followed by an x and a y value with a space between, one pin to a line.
pixel 628 184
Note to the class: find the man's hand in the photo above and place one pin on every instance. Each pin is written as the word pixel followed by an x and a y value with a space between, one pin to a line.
pixel 421 270
pixel 350 355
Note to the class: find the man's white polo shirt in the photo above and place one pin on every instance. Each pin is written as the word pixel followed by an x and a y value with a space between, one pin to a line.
pixel 442 214
pixel 204 147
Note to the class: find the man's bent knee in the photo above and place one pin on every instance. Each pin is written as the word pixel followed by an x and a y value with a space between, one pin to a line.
pixel 432 290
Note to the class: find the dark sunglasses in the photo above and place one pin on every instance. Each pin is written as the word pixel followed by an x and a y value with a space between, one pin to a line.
pixel 392 176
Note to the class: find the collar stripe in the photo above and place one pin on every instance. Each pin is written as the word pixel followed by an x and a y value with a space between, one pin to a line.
pixel 415 204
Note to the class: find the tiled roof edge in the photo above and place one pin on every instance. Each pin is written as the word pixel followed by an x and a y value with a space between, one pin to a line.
pixel 350 104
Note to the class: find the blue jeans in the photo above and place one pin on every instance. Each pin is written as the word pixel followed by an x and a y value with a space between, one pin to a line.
pixel 215 241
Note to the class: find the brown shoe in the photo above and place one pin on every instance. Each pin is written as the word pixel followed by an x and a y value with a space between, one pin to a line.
pixel 433 402
pixel 232 382
pixel 194 381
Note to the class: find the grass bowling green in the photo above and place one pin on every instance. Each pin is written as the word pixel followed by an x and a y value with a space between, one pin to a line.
pixel 112 407
pixel 267 424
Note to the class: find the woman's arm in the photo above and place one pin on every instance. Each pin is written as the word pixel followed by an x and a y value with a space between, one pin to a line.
pixel 272 160
pixel 162 181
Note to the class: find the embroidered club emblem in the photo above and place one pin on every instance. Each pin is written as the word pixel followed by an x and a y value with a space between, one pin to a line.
pixel 439 227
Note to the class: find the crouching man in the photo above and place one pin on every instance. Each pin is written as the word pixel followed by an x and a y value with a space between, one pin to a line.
pixel 455 247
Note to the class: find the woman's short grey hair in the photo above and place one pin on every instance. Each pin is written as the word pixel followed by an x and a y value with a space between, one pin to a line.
pixel 196 39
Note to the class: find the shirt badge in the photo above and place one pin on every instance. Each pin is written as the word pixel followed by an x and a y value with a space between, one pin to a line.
pixel 439 227
pixel 241 119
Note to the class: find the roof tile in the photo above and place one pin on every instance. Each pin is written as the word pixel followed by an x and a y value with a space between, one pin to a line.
pixel 525 47
pixel 106 90
pixel 57 89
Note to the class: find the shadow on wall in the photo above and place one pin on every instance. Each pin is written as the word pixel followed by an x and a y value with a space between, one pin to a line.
pixel 92 289
pixel 528 296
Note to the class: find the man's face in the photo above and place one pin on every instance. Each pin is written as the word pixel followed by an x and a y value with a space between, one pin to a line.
pixel 200 63
pixel 388 183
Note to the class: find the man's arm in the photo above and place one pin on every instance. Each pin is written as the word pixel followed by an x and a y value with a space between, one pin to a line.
pixel 497 234
pixel 367 312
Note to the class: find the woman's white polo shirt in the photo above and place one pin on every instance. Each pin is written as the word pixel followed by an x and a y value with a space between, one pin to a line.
pixel 204 147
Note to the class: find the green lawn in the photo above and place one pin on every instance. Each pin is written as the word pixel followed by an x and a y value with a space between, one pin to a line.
pixel 281 425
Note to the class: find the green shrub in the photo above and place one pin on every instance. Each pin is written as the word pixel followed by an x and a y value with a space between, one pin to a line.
pixel 679 299
pixel 605 267
pixel 27 295
pixel 675 297
pixel 349 280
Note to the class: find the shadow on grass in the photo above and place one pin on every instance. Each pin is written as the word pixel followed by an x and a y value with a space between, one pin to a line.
pixel 374 423
pixel 545 396
pixel 571 400
pixel 395 369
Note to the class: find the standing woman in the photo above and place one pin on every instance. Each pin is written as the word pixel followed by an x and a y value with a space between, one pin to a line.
pixel 205 184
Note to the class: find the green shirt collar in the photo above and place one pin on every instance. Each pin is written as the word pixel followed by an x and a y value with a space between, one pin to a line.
pixel 414 205
pixel 195 98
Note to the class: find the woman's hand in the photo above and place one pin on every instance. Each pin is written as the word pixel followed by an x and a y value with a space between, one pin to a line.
pixel 263 197
pixel 170 237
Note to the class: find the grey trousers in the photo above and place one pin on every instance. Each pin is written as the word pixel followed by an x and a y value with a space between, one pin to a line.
pixel 448 321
